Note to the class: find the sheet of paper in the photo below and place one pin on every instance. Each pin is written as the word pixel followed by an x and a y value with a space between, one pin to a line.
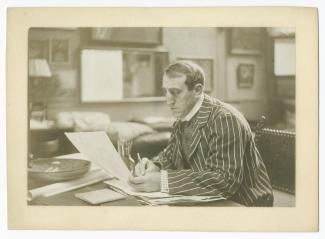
pixel 126 188
pixel 97 147
pixel 99 196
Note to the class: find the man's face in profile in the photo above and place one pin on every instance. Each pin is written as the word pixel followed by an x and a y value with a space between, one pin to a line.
pixel 178 97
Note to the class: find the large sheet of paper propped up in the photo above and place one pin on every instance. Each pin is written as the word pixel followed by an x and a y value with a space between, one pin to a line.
pixel 98 148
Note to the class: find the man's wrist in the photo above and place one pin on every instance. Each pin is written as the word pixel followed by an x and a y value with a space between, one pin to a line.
pixel 164 181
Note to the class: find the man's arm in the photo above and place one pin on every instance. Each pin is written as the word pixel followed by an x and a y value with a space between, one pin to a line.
pixel 163 159
pixel 223 169
pixel 150 178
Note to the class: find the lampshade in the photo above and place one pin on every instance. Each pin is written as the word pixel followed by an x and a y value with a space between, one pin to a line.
pixel 39 68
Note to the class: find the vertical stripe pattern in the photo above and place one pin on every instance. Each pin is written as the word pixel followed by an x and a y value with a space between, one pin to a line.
pixel 223 159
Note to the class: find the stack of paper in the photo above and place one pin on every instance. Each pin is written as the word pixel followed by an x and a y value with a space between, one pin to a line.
pixel 181 200
pixel 127 189
pixel 159 198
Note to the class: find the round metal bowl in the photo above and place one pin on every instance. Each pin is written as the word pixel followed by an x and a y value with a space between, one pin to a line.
pixel 54 170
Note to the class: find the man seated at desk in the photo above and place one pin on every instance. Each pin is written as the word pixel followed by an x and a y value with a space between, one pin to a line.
pixel 211 150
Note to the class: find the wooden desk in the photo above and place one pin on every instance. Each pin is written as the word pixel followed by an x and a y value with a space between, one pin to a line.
pixel 68 198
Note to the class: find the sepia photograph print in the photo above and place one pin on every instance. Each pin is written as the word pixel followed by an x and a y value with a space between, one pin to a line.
pixel 130 120
pixel 195 148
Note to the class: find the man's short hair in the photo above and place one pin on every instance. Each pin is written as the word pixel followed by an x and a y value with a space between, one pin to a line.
pixel 193 72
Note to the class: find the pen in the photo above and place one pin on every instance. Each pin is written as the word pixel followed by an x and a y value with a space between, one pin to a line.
pixel 140 162
pixel 139 158
pixel 133 168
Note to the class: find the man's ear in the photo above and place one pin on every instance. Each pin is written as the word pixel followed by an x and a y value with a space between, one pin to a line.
pixel 198 88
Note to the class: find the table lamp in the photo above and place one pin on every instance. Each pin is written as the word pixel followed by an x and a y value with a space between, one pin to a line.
pixel 40 75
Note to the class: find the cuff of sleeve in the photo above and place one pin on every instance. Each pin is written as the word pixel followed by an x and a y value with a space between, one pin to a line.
pixel 164 181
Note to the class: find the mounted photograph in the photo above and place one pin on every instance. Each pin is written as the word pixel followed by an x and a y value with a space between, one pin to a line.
pixel 135 119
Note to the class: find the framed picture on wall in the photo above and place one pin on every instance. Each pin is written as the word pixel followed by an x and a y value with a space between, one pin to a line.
pixel 245 75
pixel 127 35
pixel 60 51
pixel 246 40
pixel 124 74
pixel 38 49
pixel 207 66
pixel 284 63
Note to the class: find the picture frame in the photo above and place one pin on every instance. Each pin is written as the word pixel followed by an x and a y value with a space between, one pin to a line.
pixel 38 49
pixel 284 54
pixel 137 36
pixel 60 52
pixel 245 75
pixel 130 79
pixel 207 66
pixel 246 40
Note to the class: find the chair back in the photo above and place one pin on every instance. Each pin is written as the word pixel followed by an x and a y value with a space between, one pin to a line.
pixel 277 148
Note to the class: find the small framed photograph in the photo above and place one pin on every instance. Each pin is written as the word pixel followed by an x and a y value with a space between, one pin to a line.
pixel 60 51
pixel 245 75
pixel 207 66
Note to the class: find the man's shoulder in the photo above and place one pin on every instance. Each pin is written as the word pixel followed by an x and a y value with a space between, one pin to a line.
pixel 211 102
pixel 222 110
pixel 218 107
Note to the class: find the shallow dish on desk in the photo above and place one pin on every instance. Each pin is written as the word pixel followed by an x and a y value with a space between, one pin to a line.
pixel 54 169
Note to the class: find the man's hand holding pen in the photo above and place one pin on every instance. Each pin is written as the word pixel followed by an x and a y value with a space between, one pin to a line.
pixel 145 176
pixel 144 166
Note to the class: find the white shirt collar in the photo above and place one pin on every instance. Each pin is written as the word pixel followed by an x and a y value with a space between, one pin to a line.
pixel 194 110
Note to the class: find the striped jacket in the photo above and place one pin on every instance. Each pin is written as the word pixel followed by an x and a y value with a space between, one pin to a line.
pixel 223 159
